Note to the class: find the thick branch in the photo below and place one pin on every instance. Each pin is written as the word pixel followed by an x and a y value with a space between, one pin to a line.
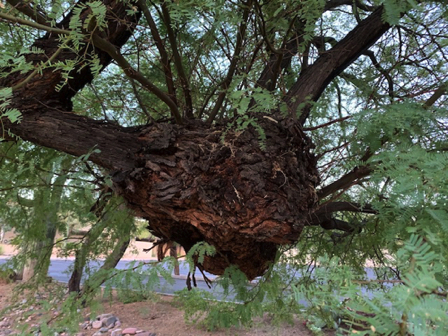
pixel 77 135
pixel 47 120
pixel 280 61
pixel 441 90
pixel 331 4
pixel 313 81
pixel 117 34
pixel 345 181
pixel 331 207
pixel 324 218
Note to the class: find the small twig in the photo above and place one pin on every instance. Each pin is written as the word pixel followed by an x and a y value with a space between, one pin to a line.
pixel 208 282
pixel 366 282
pixel 34 73
pixel 326 124
pixel 12 18
pixel 140 101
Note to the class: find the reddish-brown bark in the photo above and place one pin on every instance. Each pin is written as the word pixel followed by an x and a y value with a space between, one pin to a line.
pixel 192 186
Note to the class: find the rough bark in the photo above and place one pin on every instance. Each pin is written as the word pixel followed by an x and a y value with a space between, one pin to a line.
pixel 195 183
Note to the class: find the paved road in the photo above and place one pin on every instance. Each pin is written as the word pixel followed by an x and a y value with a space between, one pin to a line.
pixel 60 270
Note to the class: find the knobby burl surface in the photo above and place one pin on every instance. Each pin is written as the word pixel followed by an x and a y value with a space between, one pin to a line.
pixel 195 183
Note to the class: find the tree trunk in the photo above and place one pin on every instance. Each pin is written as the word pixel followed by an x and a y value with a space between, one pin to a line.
pixel 39 252
pixel 101 276
pixel 28 269
pixel 173 253
pixel 74 283
pixel 37 266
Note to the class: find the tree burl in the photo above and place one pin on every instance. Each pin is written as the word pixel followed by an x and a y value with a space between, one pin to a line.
pixel 240 194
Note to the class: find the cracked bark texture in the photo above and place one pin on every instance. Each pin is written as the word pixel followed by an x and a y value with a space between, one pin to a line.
pixel 195 183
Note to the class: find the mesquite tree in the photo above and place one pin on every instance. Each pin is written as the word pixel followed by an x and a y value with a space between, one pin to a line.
pixel 237 123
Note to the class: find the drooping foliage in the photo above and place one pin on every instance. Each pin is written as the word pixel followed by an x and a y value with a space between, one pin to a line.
pixel 305 141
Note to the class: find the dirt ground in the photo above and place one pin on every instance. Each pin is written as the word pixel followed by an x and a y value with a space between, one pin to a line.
pixel 160 316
